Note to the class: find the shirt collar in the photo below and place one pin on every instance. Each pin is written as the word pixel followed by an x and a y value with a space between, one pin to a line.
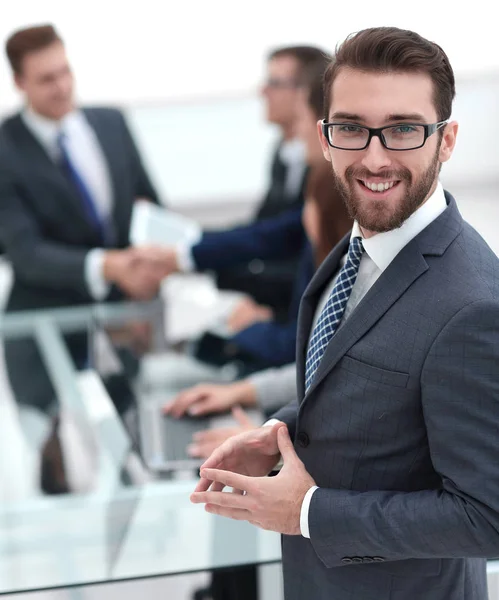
pixel 293 151
pixel 46 130
pixel 382 248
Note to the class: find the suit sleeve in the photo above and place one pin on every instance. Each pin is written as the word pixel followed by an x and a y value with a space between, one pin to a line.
pixel 143 185
pixel 460 401
pixel 35 259
pixel 271 342
pixel 279 237
pixel 275 387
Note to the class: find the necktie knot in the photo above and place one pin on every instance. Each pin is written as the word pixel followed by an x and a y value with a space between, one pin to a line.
pixel 356 248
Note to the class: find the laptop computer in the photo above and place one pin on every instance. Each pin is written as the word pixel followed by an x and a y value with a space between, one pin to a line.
pixel 161 440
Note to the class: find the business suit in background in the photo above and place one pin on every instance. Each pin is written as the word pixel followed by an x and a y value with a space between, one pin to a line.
pixel 68 181
pixel 270 281
pixel 47 234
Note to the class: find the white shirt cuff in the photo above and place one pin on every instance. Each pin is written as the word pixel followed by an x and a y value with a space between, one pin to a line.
pixel 305 506
pixel 185 260
pixel 94 274
pixel 271 422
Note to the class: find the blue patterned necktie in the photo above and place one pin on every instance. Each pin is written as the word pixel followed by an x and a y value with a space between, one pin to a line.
pixel 332 312
pixel 83 190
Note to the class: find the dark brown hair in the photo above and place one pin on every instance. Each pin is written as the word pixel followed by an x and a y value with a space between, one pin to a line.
pixel 322 188
pixel 25 41
pixel 389 49
pixel 307 57
pixel 314 82
pixel 334 220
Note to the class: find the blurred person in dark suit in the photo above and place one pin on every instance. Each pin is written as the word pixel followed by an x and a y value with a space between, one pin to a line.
pixel 69 177
pixel 326 220
pixel 256 331
pixel 270 280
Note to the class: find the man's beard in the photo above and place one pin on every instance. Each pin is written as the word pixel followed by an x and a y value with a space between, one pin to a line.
pixel 380 215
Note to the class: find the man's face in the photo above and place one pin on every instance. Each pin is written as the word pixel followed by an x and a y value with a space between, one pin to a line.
pixel 47 81
pixel 281 90
pixel 376 100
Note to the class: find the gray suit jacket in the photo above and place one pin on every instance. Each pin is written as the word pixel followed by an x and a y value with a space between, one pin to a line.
pixel 400 429
pixel 46 234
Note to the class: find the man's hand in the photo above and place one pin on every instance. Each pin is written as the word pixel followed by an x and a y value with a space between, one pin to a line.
pixel 254 453
pixel 211 398
pixel 205 442
pixel 246 313
pixel 136 275
pixel 272 503
pixel 163 259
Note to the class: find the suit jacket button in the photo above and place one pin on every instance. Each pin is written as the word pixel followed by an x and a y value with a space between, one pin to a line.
pixel 302 439
pixel 378 559
pixel 357 560
pixel 346 560
pixel 367 559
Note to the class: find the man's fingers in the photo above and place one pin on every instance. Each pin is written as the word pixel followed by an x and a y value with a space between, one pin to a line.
pixel 222 499
pixel 237 514
pixel 285 444
pixel 203 485
pixel 214 435
pixel 234 480
pixel 219 456
pixel 184 400
pixel 202 450
pixel 216 486
pixel 241 417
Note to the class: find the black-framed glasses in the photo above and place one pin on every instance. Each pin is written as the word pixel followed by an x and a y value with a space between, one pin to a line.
pixel 399 137
pixel 282 84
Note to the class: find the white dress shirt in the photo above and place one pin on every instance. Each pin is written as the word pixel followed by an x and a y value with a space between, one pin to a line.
pixel 380 250
pixel 293 154
pixel 88 158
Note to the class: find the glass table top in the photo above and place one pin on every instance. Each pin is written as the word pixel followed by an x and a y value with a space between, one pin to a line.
pixel 126 522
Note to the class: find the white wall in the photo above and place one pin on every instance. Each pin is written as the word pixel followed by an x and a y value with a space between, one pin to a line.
pixel 150 55
pixel 154 50
pixel 217 152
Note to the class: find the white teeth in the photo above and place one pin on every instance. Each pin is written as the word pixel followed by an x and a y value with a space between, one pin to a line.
pixel 379 187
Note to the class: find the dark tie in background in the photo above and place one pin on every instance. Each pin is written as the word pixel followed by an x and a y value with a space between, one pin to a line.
pixel 101 224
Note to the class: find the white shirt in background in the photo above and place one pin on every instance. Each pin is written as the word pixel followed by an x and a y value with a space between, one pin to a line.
pixel 88 159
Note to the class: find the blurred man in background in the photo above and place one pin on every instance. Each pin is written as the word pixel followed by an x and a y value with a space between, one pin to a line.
pixel 68 181
pixel 270 281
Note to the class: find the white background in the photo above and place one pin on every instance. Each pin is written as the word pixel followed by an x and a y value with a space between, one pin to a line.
pixel 153 50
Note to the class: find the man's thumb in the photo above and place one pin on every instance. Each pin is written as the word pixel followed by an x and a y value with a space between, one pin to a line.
pixel 285 444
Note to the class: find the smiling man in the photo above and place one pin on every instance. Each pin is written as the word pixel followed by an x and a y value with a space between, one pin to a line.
pixel 390 487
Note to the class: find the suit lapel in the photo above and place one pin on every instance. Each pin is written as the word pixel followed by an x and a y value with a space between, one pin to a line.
pixel 392 283
pixel 42 166
pixel 404 270
pixel 309 303
pixel 34 154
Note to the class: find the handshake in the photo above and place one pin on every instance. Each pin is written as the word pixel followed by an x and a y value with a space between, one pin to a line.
pixel 138 272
